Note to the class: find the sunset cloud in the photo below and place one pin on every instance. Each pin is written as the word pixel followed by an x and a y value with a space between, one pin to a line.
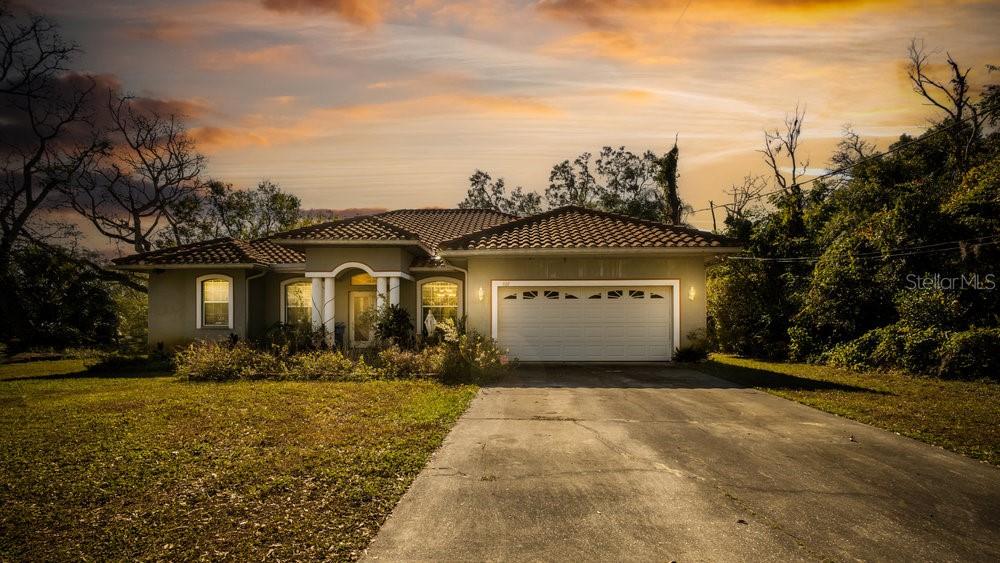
pixel 265 130
pixel 275 56
pixel 360 12
pixel 389 103
pixel 611 44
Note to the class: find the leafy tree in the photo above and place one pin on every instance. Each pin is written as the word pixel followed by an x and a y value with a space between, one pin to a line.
pixel 485 193
pixel 573 184
pixel 51 301
pixel 620 181
pixel 837 283
pixel 220 210
pixel 666 178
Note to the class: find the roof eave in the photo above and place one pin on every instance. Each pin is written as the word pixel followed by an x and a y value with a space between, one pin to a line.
pixel 354 242
pixel 214 266
pixel 593 251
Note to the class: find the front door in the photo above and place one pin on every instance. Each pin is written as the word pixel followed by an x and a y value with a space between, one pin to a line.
pixel 360 329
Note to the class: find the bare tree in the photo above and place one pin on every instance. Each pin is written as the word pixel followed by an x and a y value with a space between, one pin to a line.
pixel 852 149
pixel 781 154
pixel 152 166
pixel 47 124
pixel 745 197
pixel 954 98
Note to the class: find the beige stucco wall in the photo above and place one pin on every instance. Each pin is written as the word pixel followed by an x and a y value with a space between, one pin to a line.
pixel 379 258
pixel 173 307
pixel 690 270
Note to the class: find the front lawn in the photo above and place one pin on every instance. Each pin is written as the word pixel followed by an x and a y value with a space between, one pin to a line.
pixel 962 416
pixel 102 466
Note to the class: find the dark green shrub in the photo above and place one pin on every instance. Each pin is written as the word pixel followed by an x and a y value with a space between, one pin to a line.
pixel 972 354
pixel 895 346
pixel 293 338
pixel 696 350
pixel 925 308
pixel 393 327
pixel 748 308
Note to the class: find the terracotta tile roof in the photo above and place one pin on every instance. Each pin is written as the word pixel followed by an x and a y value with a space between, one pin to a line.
pixel 429 226
pixel 364 227
pixel 436 225
pixel 578 227
pixel 217 251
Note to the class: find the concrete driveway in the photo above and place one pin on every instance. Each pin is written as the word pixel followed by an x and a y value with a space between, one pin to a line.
pixel 647 463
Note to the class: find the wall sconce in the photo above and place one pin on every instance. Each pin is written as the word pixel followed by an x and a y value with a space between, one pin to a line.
pixel 481 294
pixel 691 293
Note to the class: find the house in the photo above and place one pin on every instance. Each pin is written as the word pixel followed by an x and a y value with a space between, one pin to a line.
pixel 570 284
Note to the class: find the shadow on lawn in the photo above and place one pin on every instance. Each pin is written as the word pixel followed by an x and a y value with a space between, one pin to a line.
pixel 112 368
pixel 755 377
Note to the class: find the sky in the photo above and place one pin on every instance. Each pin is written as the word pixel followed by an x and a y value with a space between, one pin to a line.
pixel 382 104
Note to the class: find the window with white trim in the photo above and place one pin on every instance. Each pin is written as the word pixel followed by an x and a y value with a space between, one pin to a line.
pixel 440 298
pixel 296 302
pixel 215 306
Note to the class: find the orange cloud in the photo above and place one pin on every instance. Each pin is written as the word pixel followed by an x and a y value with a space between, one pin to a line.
pixel 261 130
pixel 212 139
pixel 610 44
pixel 635 96
pixel 603 14
pixel 361 12
pixel 275 56
pixel 166 30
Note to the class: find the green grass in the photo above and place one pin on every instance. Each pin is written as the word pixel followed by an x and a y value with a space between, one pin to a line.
pixel 122 467
pixel 962 416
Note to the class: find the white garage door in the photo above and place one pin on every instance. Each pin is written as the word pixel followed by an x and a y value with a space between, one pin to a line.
pixel 586 324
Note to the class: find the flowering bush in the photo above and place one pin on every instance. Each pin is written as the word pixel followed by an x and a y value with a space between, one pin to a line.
pixel 470 356
pixel 320 364
pixel 464 358
pixel 213 361
pixel 397 362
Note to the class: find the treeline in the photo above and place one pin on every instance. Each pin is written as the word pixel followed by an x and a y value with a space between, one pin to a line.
pixel 888 261
pixel 891 261
pixel 641 185
pixel 76 150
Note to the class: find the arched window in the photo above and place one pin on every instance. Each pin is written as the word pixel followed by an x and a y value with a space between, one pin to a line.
pixel 215 301
pixel 296 301
pixel 440 297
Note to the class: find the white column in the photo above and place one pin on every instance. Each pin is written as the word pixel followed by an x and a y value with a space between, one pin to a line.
pixel 394 290
pixel 317 303
pixel 328 296
pixel 380 292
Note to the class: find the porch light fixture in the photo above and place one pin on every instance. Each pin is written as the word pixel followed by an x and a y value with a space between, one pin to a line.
pixel 691 293
pixel 481 294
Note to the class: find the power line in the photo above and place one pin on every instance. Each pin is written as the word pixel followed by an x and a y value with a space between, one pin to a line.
pixel 882 255
pixel 864 160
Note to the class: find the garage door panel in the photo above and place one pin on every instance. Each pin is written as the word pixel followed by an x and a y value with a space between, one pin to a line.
pixel 628 325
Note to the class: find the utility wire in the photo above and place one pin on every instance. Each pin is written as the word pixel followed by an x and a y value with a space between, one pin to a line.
pixel 882 255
